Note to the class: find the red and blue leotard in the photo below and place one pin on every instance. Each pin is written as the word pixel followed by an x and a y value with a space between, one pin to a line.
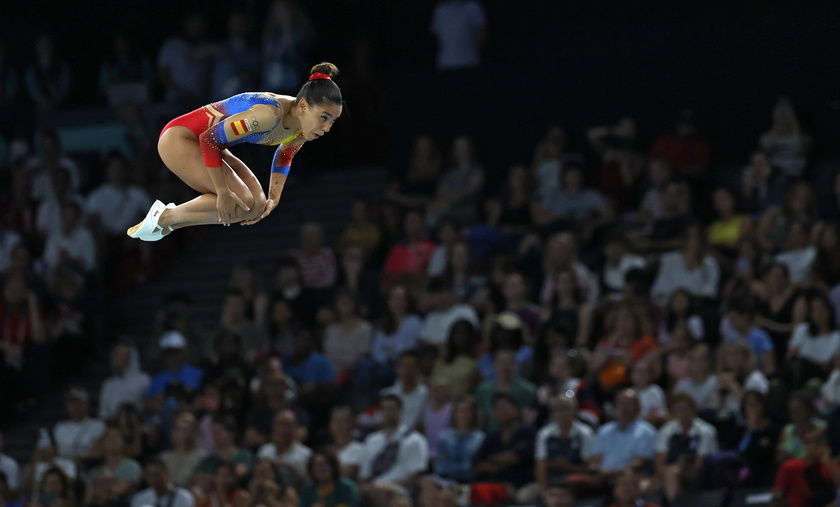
pixel 207 123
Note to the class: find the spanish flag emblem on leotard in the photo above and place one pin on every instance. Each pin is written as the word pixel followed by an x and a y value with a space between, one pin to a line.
pixel 240 126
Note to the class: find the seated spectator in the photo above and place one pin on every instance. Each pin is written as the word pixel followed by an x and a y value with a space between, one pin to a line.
pixel 125 472
pixel 737 374
pixel 360 280
pixel 507 331
pixel 47 78
pixel 55 489
pixel 665 232
pixel 798 253
pixel 437 415
pixel 44 457
pixel 517 299
pixel 627 491
pixel 275 392
pixel 312 372
pixel 570 205
pixel 676 356
pixel 684 148
pixel 227 453
pixel 181 462
pixel 659 173
pixel 48 219
pixel 653 407
pixel 761 184
pixel 446 311
pixel 23 342
pixel 75 438
pixel 412 255
pixel 560 382
pixel 281 325
pixel 156 475
pixel 448 232
pixel 779 307
pixel 689 268
pixel 316 261
pixel 11 470
pixel 808 480
pixel 180 376
pixel 458 444
pixel 506 381
pixel 396 332
pixel 73 245
pixel 393 457
pixel 459 187
pixel 267 487
pixel 416 186
pixel 225 489
pixel 825 270
pixel 348 340
pixel 701 384
pixel 456 367
pixel 741 315
pixel 289 287
pixel 346 449
pixel 563 446
pixel 681 313
pixel 327 486
pixel 729 226
pixel 510 210
pixel 618 260
pixel 561 254
pixel 558 494
pixel 463 274
pixel 548 158
pixel 626 442
pixel 799 203
pixel 507 454
pixel 235 325
pixel 815 342
pixel 627 342
pixel 230 372
pixel 410 389
pixel 127 385
pixel 362 230
pixel 786 143
pixel 569 311
pixel 285 450
pixel 753 462
pixel 803 420
pixel 681 446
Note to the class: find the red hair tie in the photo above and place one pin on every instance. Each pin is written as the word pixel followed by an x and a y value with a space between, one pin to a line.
pixel 319 75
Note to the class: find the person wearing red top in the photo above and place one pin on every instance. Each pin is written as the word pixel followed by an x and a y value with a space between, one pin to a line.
pixel 626 491
pixel 808 481
pixel 686 152
pixel 412 255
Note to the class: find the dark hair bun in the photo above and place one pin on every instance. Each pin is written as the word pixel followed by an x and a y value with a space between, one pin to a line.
pixel 325 68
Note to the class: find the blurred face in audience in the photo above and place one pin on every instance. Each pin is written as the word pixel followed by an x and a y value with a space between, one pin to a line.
pixel 505 364
pixel 684 412
pixel 284 429
pixel 563 411
pixel 626 407
pixel 514 287
pixel 626 489
pixel 398 300
pixel 505 412
pixel 557 497
pixel 391 413
pixel 321 470
pixel 341 423
pixel 183 433
pixel 224 479
pixel 156 477
pixel 464 417
pixel 559 369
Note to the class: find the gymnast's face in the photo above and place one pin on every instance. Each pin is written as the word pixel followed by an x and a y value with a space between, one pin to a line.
pixel 316 120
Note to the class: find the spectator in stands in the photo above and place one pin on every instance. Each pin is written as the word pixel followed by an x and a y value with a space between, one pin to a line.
pixel 224 438
pixel 55 489
pixel 234 321
pixel 741 315
pixel 626 442
pixel 447 234
pixel 460 29
pixel 327 486
pixel 9 86
pixel 396 332
pixel 275 393
pixel 75 438
pixel 230 372
pixel 160 489
pixel 730 225
pixel 183 459
pixel 310 370
pixel 284 449
pixel 317 261
pixel 681 446
pixel 48 220
pixel 659 174
pixel 286 36
pixel 517 299
pixel 652 403
pixel 628 341
pixel 348 340
pixel 571 205
pixel 798 253
pixel 459 188
pixel 463 272
pixel 23 340
pixel 9 497
pixel 9 239
pixel 561 381
pixel 561 253
pixel 437 416
pixel 786 143
pixel 666 231
pixel 507 454
pixel 701 383
pixel 510 210
pixel 681 312
pixel 49 161
pixel 458 444
pixel 799 203
pixel 346 449
pixel 47 78
pixel 125 471
pixel 690 268
pixel 815 342
pixel 547 165
pixel 618 260
pixel 807 480
pixel 43 458
pixel 267 486
pixel 506 381
pixel 456 366
pixel 72 246
pixel 445 312
pixel 780 307
pixel 174 349
pixel 507 331
pixel 412 255
pixel 415 187
pixel 362 231
pixel 10 468
pixel 236 62
pixel 410 388
pixel 684 149
pixel 126 385
pixel 125 75
pixel 225 489
pixel 761 184
pixel 393 457
pixel 304 301
pixel 803 420
pixel 825 270
pixel 365 283
pixel 568 311
pixel 563 446
pixel 182 64
pixel 627 491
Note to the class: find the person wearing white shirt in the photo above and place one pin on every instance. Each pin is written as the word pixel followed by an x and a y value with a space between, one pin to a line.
pixel 284 449
pixel 799 254
pixel 127 385
pixel 160 492
pixel 700 383
pixel 73 244
pixel 393 457
pixel 410 389
pixel 347 450
pixel 75 438
pixel 445 313
pixel 690 268
pixel 817 340
pixel 459 26
pixel 117 204
pixel 681 446
pixel 11 470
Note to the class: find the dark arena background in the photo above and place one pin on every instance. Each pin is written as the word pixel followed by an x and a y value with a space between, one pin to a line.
pixel 598 262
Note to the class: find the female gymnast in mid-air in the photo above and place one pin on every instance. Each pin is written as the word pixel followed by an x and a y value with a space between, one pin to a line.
pixel 194 147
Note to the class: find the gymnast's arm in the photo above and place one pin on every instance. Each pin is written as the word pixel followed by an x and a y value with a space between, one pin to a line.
pixel 280 167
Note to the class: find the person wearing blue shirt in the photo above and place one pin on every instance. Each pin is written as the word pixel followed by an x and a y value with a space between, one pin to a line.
pixel 305 365
pixel 174 347
pixel 459 444
pixel 741 314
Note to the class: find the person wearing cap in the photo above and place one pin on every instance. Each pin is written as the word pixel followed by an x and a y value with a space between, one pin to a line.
pixel 75 437
pixel 174 348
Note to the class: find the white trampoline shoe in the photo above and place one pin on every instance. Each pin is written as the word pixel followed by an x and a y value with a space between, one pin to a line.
pixel 148 229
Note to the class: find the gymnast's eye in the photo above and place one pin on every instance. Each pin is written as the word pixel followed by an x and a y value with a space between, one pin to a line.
pixel 323 118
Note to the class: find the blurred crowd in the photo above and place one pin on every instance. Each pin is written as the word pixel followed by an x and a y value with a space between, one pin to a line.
pixel 613 319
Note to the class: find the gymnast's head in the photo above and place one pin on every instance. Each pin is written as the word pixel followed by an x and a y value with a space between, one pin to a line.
pixel 318 104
